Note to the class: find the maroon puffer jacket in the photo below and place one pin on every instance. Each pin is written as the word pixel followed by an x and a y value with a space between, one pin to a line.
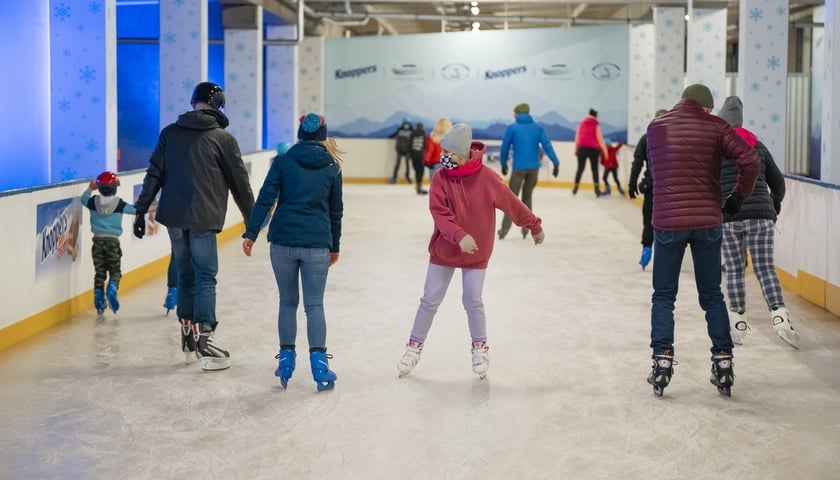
pixel 686 148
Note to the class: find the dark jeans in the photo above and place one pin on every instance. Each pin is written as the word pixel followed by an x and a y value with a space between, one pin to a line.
pixel 172 273
pixel 525 179
pixel 591 154
pixel 400 157
pixel 668 251
pixel 419 168
pixel 196 257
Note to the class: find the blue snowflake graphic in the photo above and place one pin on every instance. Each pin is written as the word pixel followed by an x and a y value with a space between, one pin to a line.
pixel 95 7
pixel 778 83
pixel 170 108
pixel 669 23
pixel 68 173
pixel 637 57
pixel 91 145
pixel 64 105
pixel 60 151
pixel 179 3
pixel 674 80
pixel 663 48
pixel 247 114
pixel 87 74
pixel 65 52
pixel 240 47
pixel 781 11
pixel 773 62
pixel 699 57
pixel 758 46
pixel 187 84
pixel 273 65
pixel 234 77
pixel 193 35
pixel 94 100
pixel 756 14
pixel 77 94
pixel 169 38
pixel 707 26
pixel 647 84
pixel 754 86
pixel 718 54
pixel 764 126
pixel 775 118
pixel 62 12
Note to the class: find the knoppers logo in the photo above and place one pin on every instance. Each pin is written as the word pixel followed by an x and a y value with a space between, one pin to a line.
pixel 54 236
pixel 355 72
pixel 505 72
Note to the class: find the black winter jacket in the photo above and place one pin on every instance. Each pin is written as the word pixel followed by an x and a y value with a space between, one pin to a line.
pixel 769 188
pixel 194 165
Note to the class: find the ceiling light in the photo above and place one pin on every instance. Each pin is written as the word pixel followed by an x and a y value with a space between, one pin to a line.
pixel 476 25
pixel 473 4
pixel 474 10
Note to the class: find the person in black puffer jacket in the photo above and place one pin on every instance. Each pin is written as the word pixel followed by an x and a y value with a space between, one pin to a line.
pixel 645 187
pixel 752 229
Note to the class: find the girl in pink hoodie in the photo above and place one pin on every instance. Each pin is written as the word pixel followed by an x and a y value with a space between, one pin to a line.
pixel 463 200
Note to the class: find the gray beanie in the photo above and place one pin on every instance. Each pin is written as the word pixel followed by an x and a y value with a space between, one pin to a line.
pixel 700 94
pixel 458 140
pixel 732 111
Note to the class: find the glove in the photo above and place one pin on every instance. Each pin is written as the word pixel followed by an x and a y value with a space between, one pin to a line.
pixel 468 245
pixel 777 205
pixel 539 238
pixel 632 190
pixel 504 170
pixel 733 203
pixel 555 171
pixel 140 225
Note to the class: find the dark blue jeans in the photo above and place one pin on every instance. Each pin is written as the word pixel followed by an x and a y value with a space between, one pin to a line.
pixel 194 253
pixel 668 251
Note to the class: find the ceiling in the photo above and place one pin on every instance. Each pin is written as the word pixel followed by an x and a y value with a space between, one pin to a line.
pixel 391 17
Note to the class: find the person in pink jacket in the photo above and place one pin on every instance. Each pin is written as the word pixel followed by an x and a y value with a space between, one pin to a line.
pixel 463 200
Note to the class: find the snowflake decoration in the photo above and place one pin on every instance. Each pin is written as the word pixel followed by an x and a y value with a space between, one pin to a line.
pixel 234 77
pixel 754 86
pixel 778 83
pixel 781 11
pixel 94 100
pixel 91 145
pixel 756 14
pixel 193 35
pixel 764 126
pixel 68 173
pixel 775 118
pixel 187 84
pixel 65 52
pixel 60 151
pixel 170 108
pixel 663 48
pixel 95 7
pixel 758 46
pixel 718 54
pixel 78 94
pixel 247 114
pixel 674 80
pixel 669 23
pixel 64 105
pixel 169 38
pixel 87 74
pixel 773 62
pixel 240 47
pixel 647 84
pixel 707 26
pixel 178 3
pixel 62 12
pixel 699 57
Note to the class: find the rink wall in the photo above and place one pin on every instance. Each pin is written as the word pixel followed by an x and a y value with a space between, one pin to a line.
pixel 42 285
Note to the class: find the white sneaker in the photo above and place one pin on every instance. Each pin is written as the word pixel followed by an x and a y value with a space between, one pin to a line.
pixel 410 357
pixel 738 327
pixel 480 358
pixel 781 322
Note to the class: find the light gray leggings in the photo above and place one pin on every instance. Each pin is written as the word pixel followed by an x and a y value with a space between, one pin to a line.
pixel 437 282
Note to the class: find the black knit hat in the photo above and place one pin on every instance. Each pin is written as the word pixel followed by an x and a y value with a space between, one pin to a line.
pixel 312 127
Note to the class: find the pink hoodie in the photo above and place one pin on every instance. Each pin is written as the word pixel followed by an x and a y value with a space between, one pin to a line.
pixel 466 204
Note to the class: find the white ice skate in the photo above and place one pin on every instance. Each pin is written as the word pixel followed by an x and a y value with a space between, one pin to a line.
pixel 480 358
pixel 738 327
pixel 410 357
pixel 781 323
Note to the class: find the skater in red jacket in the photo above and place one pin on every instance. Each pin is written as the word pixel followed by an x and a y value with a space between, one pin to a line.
pixel 610 163
pixel 463 200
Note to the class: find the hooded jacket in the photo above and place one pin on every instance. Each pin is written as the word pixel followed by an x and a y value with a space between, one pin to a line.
pixel 106 213
pixel 463 204
pixel 526 136
pixel 194 165
pixel 686 148
pixel 770 185
pixel 306 186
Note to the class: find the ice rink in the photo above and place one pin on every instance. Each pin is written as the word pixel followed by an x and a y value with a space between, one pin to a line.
pixel 565 397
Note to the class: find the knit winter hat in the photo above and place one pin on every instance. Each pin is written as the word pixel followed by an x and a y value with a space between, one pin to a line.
pixel 458 140
pixel 700 94
pixel 283 147
pixel 312 127
pixel 732 111
pixel 522 108
pixel 593 112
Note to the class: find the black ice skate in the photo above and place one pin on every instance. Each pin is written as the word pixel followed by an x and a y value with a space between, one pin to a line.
pixel 211 356
pixel 661 372
pixel 723 376
pixel 187 341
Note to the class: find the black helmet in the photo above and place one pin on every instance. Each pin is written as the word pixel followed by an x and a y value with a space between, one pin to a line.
pixel 209 93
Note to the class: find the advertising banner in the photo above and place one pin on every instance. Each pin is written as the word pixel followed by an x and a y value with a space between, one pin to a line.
pixel 372 83
pixel 57 242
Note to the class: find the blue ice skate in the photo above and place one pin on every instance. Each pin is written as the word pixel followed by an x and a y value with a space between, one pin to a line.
pixel 113 301
pixel 171 300
pixel 321 373
pixel 286 366
pixel 99 301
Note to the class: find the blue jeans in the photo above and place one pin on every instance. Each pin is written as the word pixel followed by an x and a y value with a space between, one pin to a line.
pixel 196 257
pixel 311 266
pixel 668 251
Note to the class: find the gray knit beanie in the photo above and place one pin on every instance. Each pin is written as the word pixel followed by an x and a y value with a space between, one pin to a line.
pixel 700 94
pixel 732 111
pixel 458 140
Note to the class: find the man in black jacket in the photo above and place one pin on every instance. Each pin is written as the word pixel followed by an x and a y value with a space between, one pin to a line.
pixel 194 165
pixel 645 187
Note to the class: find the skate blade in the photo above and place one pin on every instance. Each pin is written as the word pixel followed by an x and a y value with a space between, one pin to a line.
pixel 791 339
pixel 658 391
pixel 725 391
pixel 189 358
pixel 212 364
pixel 324 386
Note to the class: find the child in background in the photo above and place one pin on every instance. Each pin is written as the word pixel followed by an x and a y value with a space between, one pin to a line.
pixel 431 158
pixel 610 163
pixel 418 150
pixel 463 202
pixel 106 212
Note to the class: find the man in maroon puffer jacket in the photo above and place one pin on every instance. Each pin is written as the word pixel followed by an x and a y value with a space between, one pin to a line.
pixel 686 148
